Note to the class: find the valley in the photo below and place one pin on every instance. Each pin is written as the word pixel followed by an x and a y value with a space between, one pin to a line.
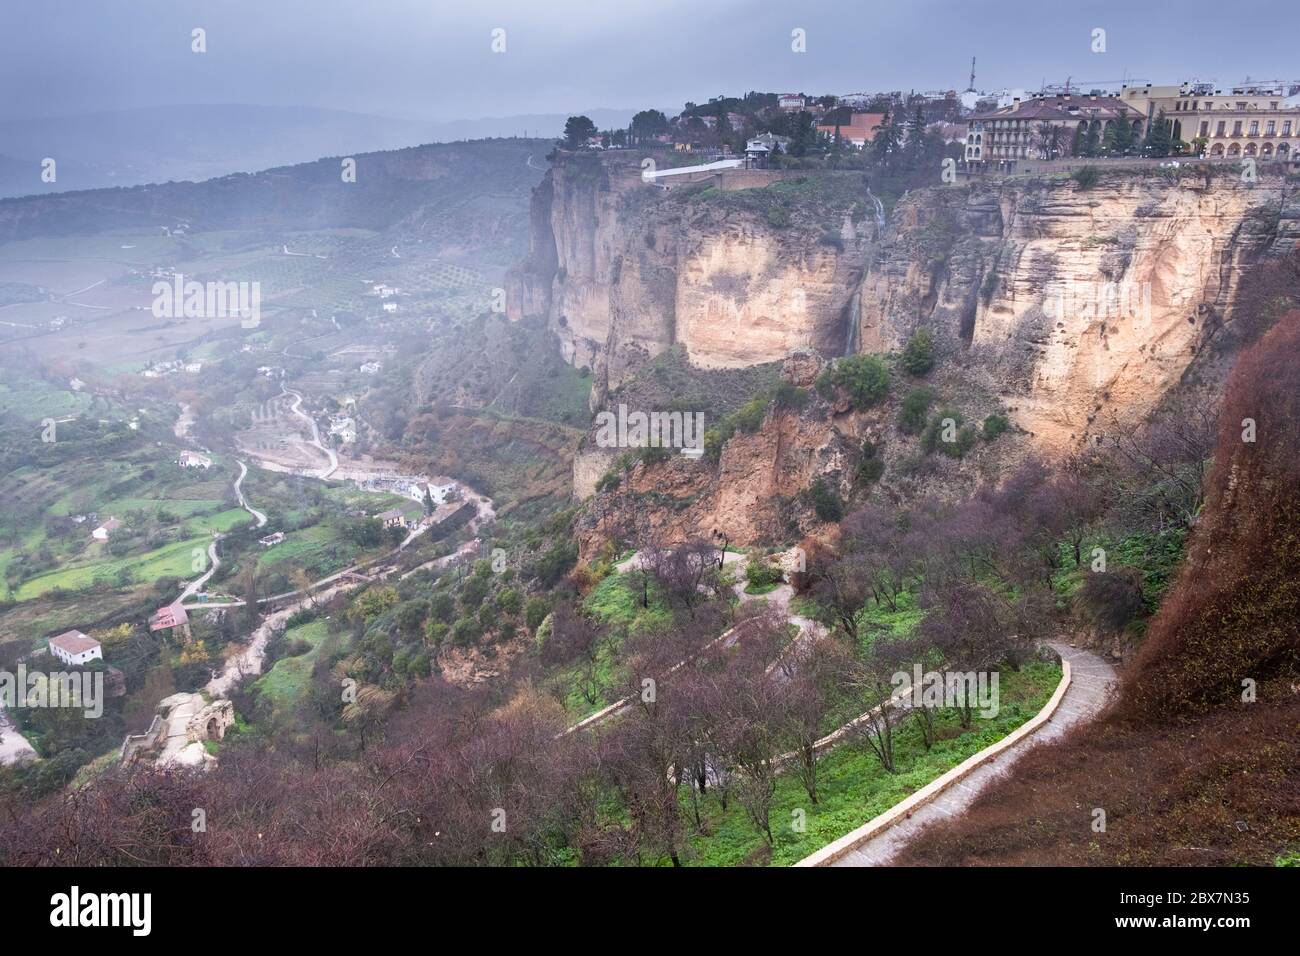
pixel 367 542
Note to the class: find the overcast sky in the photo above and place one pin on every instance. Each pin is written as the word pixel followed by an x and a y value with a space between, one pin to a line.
pixel 431 59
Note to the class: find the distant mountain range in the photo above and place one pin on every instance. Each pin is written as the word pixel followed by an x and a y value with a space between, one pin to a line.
pixel 161 144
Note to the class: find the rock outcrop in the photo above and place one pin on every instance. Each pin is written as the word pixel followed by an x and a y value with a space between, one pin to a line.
pixel 623 269
pixel 1064 305
pixel 1081 304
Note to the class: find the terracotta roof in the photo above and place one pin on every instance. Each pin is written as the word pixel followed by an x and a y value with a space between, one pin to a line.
pixel 171 616
pixel 391 513
pixel 1059 108
pixel 74 642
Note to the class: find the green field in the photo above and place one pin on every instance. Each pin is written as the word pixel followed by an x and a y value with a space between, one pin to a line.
pixel 285 683
pixel 173 560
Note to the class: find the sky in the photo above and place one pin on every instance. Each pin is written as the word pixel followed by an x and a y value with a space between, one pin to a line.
pixel 433 60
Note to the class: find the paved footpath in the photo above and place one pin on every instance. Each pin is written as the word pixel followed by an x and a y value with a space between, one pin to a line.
pixel 1092 682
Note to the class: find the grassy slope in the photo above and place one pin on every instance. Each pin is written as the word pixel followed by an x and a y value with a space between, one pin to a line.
pixel 853 787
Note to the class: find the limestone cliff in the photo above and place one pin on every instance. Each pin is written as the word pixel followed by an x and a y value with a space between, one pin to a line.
pixel 1079 303
pixel 1059 303
pixel 623 269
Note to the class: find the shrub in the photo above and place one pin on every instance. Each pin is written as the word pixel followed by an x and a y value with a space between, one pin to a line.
pixel 509 601
pixel 535 612
pixel 609 481
pixel 994 426
pixel 778 217
pixel 911 415
pixel 1087 177
pixel 832 238
pixel 465 632
pixel 871 467
pixel 864 378
pixel 948 435
pixel 749 417
pixel 790 396
pixel 824 500
pixel 918 354
pixel 1112 599
pixel 761 573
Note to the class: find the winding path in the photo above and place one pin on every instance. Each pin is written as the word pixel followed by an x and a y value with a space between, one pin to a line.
pixel 1092 681
pixel 315 432
pixel 214 561
pixel 258 516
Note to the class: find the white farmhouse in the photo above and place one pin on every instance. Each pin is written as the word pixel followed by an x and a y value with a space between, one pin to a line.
pixel 74 648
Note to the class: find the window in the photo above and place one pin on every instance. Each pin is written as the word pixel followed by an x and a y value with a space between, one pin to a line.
pixel 1205 127
pixel 1196 105
pixel 1236 128
pixel 1270 127
pixel 1254 127
pixel 1218 130
pixel 1286 127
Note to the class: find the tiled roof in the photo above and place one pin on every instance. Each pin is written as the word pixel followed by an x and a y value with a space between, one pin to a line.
pixel 74 642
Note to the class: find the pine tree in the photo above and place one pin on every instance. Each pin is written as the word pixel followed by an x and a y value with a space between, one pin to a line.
pixel 1158 140
pixel 1076 144
pixel 1091 141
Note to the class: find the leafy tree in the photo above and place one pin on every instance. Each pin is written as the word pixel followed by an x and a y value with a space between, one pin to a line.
pixel 864 378
pixel 994 426
pixel 535 612
pixel 1158 141
pixel 918 354
pixel 577 130
pixel 509 601
pixel 824 500
pixel 911 414
pixel 646 125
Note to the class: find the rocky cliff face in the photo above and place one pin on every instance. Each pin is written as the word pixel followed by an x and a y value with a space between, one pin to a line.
pixel 622 270
pixel 1062 306
pixel 1081 304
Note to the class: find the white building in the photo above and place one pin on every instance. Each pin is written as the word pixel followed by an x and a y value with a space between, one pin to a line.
pixel 371 368
pixel 271 540
pixel 390 306
pixel 104 530
pixel 192 459
pixel 74 648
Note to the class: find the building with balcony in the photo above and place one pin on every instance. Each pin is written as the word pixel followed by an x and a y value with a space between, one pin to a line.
pixel 1043 127
pixel 1258 121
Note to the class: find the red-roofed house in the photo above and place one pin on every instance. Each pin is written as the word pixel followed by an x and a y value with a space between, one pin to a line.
pixel 73 647
pixel 174 615
pixel 859 130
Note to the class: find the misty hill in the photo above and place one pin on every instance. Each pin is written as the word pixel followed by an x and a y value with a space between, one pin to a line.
pixel 197 142
pixel 441 191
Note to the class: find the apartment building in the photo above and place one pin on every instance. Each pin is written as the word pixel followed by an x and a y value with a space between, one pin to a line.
pixel 1247 121
pixel 1042 127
